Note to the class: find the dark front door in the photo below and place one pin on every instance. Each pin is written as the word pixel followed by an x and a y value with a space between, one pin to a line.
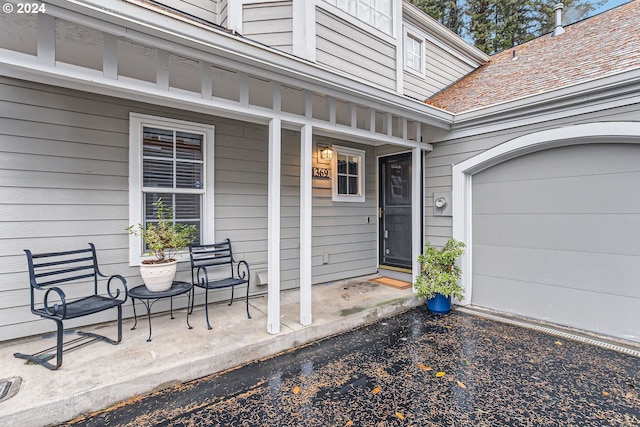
pixel 395 211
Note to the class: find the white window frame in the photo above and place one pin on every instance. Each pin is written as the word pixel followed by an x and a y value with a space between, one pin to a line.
pixel 360 197
pixel 409 35
pixel 136 124
pixel 354 9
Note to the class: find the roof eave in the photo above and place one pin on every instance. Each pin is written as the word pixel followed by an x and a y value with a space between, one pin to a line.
pixel 565 97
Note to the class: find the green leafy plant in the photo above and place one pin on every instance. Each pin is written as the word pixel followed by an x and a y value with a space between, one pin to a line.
pixel 439 273
pixel 166 237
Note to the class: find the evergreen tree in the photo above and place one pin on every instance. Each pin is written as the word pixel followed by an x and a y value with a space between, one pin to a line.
pixel 448 12
pixel 495 25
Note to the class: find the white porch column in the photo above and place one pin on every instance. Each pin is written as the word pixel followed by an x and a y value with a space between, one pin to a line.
pixel 306 209
pixel 416 210
pixel 273 224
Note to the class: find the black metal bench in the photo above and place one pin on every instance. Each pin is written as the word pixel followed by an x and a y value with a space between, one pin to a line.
pixel 212 267
pixel 48 273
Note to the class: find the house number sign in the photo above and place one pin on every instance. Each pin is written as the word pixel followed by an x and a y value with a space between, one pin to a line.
pixel 320 173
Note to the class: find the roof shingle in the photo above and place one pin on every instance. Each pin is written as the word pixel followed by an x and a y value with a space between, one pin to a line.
pixel 603 45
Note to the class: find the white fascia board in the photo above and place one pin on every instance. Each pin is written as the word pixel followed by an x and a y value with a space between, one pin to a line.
pixel 146 25
pixel 587 97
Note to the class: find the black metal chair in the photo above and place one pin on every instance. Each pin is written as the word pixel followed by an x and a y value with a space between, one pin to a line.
pixel 212 267
pixel 48 274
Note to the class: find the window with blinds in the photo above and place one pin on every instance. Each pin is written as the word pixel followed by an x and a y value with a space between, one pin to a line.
pixel 168 160
pixel 172 170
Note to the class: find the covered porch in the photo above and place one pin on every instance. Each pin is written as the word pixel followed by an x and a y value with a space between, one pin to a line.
pixel 151 61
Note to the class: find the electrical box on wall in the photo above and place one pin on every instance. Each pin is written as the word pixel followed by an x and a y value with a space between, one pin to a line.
pixel 442 204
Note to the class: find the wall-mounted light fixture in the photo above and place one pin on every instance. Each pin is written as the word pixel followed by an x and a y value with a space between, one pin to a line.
pixel 325 152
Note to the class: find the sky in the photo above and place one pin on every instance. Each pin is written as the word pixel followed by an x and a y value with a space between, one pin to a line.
pixel 608 5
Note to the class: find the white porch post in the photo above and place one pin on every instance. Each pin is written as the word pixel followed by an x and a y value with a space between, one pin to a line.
pixel 416 210
pixel 306 209
pixel 273 221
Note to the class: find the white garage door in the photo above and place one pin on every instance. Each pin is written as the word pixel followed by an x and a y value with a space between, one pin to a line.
pixel 556 237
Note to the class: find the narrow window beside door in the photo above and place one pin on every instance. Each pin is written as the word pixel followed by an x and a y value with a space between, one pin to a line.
pixel 348 174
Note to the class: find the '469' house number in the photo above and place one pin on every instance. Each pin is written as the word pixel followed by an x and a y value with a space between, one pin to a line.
pixel 320 173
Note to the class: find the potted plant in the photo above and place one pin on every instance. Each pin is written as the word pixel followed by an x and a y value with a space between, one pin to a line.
pixel 439 274
pixel 164 239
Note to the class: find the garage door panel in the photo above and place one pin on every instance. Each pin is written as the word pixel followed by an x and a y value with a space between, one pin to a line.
pixel 555 236
pixel 580 233
pixel 593 272
pixel 586 194
pixel 605 314
pixel 570 161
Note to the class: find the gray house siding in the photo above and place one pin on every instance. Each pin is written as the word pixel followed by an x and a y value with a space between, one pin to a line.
pixel 438 162
pixel 270 24
pixel 442 68
pixel 350 50
pixel 65 183
pixel 203 9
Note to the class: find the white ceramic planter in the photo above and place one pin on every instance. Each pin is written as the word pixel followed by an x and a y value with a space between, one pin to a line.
pixel 158 277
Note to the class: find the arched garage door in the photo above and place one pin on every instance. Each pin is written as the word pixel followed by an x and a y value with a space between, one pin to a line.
pixel 556 237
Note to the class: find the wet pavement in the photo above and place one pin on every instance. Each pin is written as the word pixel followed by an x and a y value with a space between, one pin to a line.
pixel 412 369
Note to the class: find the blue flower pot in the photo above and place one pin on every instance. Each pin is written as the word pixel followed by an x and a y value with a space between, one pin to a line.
pixel 439 304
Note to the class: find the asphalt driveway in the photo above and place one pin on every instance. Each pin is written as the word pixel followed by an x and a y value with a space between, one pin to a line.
pixel 412 369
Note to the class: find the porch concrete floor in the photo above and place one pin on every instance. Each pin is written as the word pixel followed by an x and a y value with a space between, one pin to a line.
pixel 99 375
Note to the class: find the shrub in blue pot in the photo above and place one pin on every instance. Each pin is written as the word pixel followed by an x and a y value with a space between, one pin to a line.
pixel 439 275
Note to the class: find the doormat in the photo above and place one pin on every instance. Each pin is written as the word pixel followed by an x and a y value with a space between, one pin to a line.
pixel 394 283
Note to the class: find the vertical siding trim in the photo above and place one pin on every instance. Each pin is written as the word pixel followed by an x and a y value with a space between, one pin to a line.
pixel 207 80
pixel 399 44
pixel 46 44
pixel 234 16
pixel 110 56
pixel 306 212
pixel 304 29
pixel 162 71
pixel 273 221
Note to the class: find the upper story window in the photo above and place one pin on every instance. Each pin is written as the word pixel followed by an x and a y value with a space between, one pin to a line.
pixel 377 13
pixel 413 53
pixel 168 160
pixel 348 174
